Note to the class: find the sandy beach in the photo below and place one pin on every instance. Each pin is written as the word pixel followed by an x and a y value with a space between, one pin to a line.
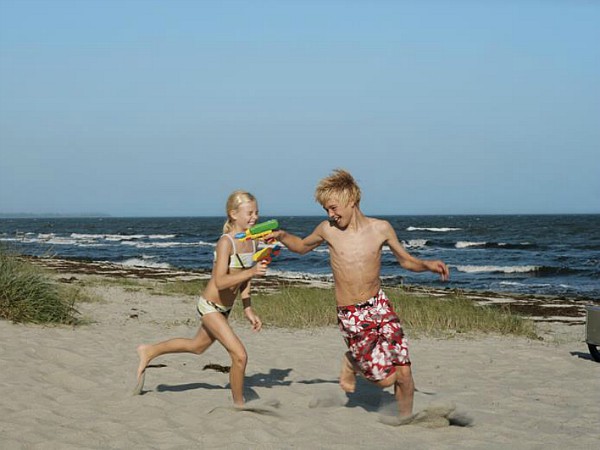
pixel 70 387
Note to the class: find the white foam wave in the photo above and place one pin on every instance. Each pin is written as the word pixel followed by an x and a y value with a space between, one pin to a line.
pixel 467 244
pixel 160 244
pixel 415 243
pixel 437 230
pixel 121 237
pixel 302 275
pixel 137 262
pixel 502 269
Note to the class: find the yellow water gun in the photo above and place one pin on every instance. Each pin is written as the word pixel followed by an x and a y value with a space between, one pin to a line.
pixel 266 254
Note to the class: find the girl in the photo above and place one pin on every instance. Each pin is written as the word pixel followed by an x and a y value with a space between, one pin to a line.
pixel 233 269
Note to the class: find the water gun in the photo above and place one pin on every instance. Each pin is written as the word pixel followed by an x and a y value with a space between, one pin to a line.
pixel 266 254
pixel 259 230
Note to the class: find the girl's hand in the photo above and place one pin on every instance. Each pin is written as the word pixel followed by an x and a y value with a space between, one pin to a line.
pixel 253 319
pixel 260 269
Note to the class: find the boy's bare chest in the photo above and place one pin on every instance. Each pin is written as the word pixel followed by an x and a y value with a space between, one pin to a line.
pixel 353 246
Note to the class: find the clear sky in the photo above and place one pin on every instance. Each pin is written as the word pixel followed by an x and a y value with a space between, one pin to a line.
pixel 144 108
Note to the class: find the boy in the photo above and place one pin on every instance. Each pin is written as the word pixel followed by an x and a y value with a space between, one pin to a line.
pixel 376 344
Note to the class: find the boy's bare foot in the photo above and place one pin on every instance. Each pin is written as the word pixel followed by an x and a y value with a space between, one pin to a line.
pixel 347 376
pixel 142 351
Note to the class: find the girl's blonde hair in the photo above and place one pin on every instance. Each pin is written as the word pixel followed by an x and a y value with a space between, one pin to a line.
pixel 235 199
pixel 339 184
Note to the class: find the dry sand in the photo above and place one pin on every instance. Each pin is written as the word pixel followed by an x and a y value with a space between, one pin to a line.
pixel 70 388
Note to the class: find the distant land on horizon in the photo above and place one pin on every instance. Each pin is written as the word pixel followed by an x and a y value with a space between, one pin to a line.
pixel 105 215
pixel 49 215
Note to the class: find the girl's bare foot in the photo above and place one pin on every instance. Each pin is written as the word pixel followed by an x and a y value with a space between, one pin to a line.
pixel 143 354
pixel 347 376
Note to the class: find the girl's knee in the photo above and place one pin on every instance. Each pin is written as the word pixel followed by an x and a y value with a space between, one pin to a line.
pixel 239 358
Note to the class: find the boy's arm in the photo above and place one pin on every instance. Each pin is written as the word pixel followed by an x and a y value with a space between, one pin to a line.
pixel 409 262
pixel 297 244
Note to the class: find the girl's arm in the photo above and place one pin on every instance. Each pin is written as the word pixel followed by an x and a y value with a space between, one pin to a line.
pixel 221 276
pixel 248 311
pixel 409 262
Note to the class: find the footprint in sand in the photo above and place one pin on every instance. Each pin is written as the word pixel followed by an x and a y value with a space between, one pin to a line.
pixel 326 401
pixel 265 408
pixel 434 416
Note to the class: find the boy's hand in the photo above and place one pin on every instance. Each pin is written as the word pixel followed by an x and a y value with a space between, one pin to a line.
pixel 272 236
pixel 439 267
pixel 253 319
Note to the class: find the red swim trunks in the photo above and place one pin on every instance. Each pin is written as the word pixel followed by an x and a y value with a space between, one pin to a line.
pixel 374 336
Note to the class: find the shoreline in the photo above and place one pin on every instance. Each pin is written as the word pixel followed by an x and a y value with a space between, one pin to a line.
pixel 538 308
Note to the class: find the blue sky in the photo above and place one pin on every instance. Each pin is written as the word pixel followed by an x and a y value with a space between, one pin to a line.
pixel 143 108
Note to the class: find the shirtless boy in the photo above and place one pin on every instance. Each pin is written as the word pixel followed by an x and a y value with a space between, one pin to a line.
pixel 377 347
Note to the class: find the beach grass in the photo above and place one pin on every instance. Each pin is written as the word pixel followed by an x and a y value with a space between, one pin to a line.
pixel 28 294
pixel 304 307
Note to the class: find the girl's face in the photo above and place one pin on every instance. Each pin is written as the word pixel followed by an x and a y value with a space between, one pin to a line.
pixel 245 215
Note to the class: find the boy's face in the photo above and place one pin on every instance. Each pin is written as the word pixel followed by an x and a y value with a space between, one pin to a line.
pixel 339 212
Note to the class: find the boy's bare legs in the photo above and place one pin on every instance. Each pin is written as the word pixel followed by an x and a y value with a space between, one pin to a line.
pixel 348 374
pixel 219 328
pixel 197 345
pixel 404 390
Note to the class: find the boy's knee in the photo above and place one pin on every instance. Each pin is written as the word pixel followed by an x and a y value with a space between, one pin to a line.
pixel 403 376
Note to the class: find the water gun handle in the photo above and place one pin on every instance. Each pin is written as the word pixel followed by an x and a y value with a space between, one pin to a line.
pixel 266 254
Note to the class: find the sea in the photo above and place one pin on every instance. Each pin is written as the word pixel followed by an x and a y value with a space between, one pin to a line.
pixel 557 255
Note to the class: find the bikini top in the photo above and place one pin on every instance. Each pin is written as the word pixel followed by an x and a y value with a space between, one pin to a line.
pixel 239 260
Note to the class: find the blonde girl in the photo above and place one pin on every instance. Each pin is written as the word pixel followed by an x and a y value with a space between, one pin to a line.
pixel 233 269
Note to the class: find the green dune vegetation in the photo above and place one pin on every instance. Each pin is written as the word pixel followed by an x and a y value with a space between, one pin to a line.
pixel 29 293
pixel 310 307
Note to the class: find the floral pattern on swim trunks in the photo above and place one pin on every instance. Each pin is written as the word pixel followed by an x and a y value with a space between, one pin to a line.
pixel 374 336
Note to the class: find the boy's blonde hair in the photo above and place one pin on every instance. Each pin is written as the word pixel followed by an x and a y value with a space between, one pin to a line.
pixel 339 184
pixel 235 199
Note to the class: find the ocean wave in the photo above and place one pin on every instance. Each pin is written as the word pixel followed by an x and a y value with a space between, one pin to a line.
pixel 302 275
pixel 415 243
pixel 501 245
pixel 466 244
pixel 433 229
pixel 164 244
pixel 137 262
pixel 497 269
pixel 540 271
pixel 121 237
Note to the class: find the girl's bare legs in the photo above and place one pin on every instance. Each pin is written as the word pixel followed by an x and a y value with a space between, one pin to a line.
pixel 218 327
pixel 198 344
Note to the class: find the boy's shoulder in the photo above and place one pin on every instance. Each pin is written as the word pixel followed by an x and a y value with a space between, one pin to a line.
pixel 379 223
